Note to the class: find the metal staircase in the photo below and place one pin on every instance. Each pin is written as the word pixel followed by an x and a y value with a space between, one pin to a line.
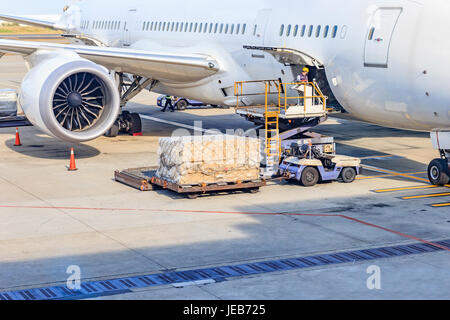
pixel 272 100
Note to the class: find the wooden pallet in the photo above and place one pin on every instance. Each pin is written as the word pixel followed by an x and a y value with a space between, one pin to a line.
pixel 145 179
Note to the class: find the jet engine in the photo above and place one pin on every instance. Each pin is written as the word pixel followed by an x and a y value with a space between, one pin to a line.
pixel 70 98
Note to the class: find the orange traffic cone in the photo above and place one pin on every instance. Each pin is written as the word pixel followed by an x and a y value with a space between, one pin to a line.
pixel 18 143
pixel 72 166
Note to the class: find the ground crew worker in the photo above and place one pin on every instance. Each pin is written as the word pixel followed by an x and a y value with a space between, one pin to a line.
pixel 303 77
pixel 168 103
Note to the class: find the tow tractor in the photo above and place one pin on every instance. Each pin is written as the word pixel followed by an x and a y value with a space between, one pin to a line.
pixel 308 165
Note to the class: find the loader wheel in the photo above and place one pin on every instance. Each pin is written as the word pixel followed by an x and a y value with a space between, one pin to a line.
pixel 348 175
pixel 438 172
pixel 310 177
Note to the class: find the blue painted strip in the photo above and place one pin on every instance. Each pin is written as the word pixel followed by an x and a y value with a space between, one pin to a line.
pixel 125 285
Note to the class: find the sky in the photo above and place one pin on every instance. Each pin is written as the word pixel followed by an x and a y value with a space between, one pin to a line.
pixel 32 7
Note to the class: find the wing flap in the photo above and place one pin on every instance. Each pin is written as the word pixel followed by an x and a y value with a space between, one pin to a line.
pixel 31 22
pixel 161 66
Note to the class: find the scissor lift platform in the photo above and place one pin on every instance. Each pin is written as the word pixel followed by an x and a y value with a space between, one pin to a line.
pixel 145 179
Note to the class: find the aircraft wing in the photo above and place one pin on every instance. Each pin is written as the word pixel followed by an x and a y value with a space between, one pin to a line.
pixel 163 66
pixel 31 22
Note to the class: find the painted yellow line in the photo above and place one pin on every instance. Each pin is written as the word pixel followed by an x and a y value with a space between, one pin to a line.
pixel 405 188
pixel 434 195
pixel 439 205
pixel 406 175
pixel 387 175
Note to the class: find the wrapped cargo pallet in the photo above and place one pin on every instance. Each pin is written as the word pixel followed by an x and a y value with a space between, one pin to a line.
pixel 209 159
pixel 8 102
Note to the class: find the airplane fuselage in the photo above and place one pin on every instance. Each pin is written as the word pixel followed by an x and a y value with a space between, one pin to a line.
pixel 385 61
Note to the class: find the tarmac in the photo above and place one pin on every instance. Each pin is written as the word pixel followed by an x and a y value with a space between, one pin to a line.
pixel 51 219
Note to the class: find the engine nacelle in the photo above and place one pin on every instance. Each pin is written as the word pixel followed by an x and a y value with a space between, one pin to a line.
pixel 68 97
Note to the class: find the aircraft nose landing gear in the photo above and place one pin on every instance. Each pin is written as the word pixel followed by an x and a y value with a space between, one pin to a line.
pixel 439 169
pixel 438 172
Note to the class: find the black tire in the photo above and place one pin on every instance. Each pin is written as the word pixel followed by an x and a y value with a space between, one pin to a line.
pixel 253 190
pixel 182 105
pixel 113 131
pixel 136 123
pixel 348 175
pixel 310 177
pixel 192 196
pixel 438 172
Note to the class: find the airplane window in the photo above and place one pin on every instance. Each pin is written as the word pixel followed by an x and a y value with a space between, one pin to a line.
pixel 163 27
pixel 310 31
pixel 295 31
pixel 371 33
pixel 255 29
pixel 325 32
pixel 118 26
pixel 334 33
pixel 232 29
pixel 200 28
pixel 172 26
pixel 177 26
pixel 221 28
pixel 243 28
pixel 318 31
pixel 205 27
pixel 238 28
pixel 191 27
pixel 288 31
pixel 168 26
pixel 211 26
pixel 282 30
pixel 303 30
pixel 226 28
pixel 195 27
pixel 216 27
pixel 143 26
pixel 186 26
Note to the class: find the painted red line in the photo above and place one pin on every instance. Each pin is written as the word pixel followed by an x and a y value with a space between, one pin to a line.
pixel 237 213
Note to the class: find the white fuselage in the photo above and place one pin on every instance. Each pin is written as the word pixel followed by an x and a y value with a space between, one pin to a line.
pixel 386 62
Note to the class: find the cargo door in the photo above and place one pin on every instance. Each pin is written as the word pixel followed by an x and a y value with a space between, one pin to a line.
pixel 379 36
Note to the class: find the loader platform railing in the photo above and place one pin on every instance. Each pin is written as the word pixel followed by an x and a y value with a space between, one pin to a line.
pixel 315 97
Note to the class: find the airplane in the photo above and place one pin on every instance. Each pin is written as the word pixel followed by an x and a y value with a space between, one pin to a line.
pixel 383 61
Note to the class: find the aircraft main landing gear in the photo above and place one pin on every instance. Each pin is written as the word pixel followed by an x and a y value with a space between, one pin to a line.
pixel 127 122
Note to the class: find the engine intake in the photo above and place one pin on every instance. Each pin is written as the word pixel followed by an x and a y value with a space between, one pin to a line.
pixel 70 98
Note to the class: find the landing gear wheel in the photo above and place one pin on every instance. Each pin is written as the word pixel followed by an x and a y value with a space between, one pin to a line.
pixel 136 123
pixel 348 175
pixel 182 105
pixel 192 196
pixel 113 131
pixel 438 172
pixel 310 177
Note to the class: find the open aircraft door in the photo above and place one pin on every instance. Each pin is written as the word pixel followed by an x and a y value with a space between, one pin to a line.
pixel 261 25
pixel 129 27
pixel 381 28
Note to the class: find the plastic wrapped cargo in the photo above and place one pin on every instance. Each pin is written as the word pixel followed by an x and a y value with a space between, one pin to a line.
pixel 8 102
pixel 209 159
